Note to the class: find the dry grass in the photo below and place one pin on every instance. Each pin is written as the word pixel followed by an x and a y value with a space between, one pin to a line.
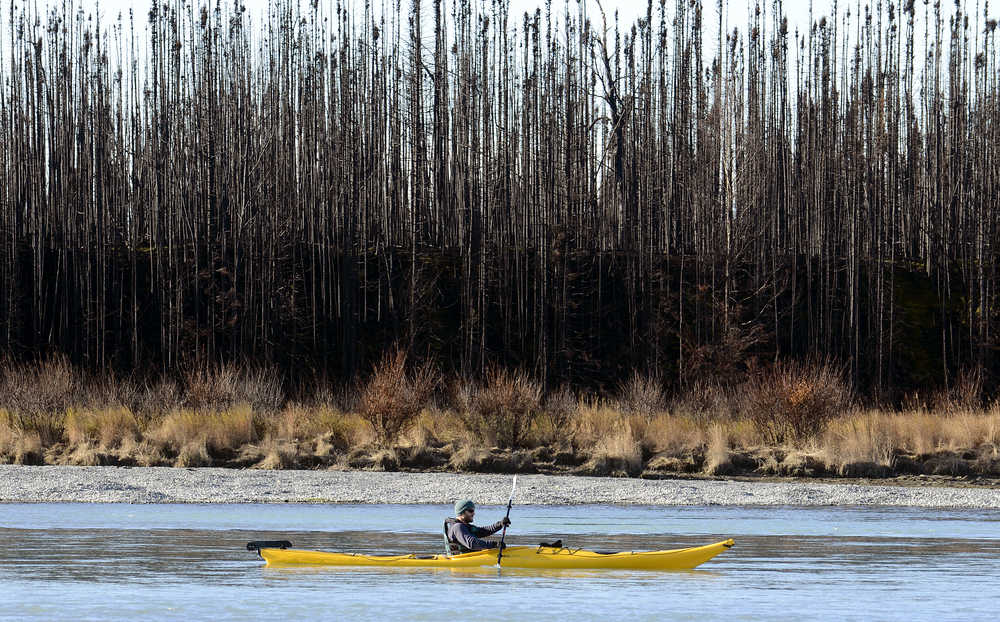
pixel 18 446
pixel 612 440
pixel 502 410
pixel 434 433
pixel 393 398
pixel 595 420
pixel 860 438
pixel 191 434
pixel 791 420
pixel 107 428
pixel 298 422
pixel 618 454
pixel 717 453
pixel 673 433
pixel 965 393
pixel 7 432
pixel 921 432
pixel 467 457
pixel 278 454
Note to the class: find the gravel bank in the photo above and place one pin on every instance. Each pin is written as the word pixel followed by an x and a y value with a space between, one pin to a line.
pixel 176 485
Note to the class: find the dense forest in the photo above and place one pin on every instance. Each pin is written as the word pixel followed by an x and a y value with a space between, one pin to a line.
pixel 556 191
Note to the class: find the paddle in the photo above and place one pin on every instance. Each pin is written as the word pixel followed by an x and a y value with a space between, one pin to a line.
pixel 504 533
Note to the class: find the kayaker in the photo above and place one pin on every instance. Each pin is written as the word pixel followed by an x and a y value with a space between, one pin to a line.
pixel 463 537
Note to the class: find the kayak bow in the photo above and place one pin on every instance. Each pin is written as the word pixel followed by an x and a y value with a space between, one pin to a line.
pixel 513 557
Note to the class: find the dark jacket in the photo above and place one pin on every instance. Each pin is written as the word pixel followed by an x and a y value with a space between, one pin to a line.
pixel 464 538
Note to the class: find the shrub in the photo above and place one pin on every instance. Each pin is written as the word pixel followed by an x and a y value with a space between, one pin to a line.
pixel 791 402
pixel 221 388
pixel 964 394
pixel 642 395
pixel 45 387
pixel 561 405
pixel 502 409
pixel 159 397
pixel 704 400
pixel 552 426
pixel 392 398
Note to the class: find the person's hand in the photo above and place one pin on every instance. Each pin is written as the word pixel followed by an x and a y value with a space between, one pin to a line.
pixel 505 522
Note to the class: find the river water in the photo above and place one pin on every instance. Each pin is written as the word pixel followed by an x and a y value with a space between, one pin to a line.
pixel 188 562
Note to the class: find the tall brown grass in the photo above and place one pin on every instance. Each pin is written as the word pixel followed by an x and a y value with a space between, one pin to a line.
pixel 194 435
pixel 106 428
pixel 18 445
pixel 717 452
pixel 860 438
pixel 792 420
pixel 617 453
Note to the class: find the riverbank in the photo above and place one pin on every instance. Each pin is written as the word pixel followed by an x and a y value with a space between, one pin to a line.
pixel 796 422
pixel 33 484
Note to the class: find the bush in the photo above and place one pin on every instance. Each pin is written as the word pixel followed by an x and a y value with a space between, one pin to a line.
pixel 794 401
pixel 392 399
pixel 224 387
pixel 553 424
pixel 46 387
pixel 704 400
pixel 642 395
pixel 502 409
pixel 964 394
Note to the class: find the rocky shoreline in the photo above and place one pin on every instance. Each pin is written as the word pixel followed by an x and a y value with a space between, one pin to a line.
pixel 34 484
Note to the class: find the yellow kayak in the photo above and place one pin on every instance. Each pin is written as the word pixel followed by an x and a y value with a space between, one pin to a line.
pixel 542 557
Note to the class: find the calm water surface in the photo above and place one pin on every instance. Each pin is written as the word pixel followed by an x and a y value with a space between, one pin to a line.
pixel 188 562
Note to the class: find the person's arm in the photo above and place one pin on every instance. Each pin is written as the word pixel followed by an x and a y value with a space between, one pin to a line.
pixel 465 536
pixel 482 532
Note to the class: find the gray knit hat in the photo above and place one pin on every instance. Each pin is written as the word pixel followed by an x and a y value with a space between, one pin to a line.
pixel 463 505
